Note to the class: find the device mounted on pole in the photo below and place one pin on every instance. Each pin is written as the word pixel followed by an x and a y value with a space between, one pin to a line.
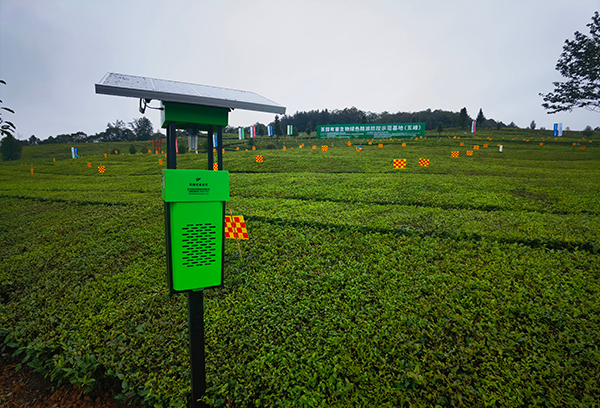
pixel 194 199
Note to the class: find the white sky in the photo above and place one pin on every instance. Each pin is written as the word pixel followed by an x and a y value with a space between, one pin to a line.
pixel 376 55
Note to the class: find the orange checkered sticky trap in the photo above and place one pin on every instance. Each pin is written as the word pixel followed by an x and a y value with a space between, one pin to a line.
pixel 235 227
pixel 399 163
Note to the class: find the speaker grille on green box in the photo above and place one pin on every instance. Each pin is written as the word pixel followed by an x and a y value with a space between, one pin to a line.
pixel 199 243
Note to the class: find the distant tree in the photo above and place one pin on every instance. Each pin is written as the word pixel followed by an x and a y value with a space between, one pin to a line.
pixel 480 118
pixel 10 148
pixel 48 140
pixel 117 132
pixel 182 133
pixel 597 129
pixel 580 64
pixel 487 124
pixel 142 128
pixel 532 125
pixel 512 125
pixel 157 135
pixel 440 128
pixel 132 149
pixel 277 126
pixel 32 141
pixel 588 131
pixel 463 118
pixel 308 129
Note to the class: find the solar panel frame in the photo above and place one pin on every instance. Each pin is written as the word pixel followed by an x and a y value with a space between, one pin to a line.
pixel 183 92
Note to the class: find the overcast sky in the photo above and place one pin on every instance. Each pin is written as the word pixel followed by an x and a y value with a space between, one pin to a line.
pixel 376 55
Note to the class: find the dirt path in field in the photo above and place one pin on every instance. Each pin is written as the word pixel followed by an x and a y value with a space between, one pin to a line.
pixel 24 388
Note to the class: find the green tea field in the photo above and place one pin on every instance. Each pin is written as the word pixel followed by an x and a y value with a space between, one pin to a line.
pixel 472 282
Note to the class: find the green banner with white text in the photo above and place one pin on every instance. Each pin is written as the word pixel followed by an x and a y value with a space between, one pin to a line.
pixel 369 131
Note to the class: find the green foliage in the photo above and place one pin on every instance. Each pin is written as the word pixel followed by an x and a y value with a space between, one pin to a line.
pixel 474 282
pixel 10 148
pixel 588 131
pixel 117 132
pixel 480 118
pixel 463 118
pixel 132 149
pixel 579 64
pixel 142 128
pixel 277 126
pixel 308 129
pixel 7 128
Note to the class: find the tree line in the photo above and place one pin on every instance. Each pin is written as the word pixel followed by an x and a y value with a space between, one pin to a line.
pixel 138 129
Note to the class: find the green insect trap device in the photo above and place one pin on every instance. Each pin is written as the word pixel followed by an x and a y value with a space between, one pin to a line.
pixel 195 231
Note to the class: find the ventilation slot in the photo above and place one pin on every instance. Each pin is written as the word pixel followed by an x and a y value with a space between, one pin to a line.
pixel 199 244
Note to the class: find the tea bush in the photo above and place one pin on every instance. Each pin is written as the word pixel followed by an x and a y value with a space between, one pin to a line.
pixel 473 282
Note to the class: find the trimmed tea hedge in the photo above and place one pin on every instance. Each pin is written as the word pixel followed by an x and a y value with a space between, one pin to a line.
pixel 470 283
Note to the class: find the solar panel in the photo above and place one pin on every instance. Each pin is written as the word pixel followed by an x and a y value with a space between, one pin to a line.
pixel 183 92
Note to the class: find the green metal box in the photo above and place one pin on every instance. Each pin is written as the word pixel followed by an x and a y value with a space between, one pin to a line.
pixel 184 115
pixel 195 201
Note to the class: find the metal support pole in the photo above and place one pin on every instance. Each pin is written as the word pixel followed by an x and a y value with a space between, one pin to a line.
pixel 171 153
pixel 196 328
pixel 220 147
pixel 171 164
pixel 210 147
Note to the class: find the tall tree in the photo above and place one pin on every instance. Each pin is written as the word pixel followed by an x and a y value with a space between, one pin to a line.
pixel 10 148
pixel 480 118
pixel 580 64
pixel 308 129
pixel 117 132
pixel 463 118
pixel 588 131
pixel 142 128
pixel 532 125
pixel 277 126
pixel 7 128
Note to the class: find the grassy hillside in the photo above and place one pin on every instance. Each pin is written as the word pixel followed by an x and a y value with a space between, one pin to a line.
pixel 472 282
